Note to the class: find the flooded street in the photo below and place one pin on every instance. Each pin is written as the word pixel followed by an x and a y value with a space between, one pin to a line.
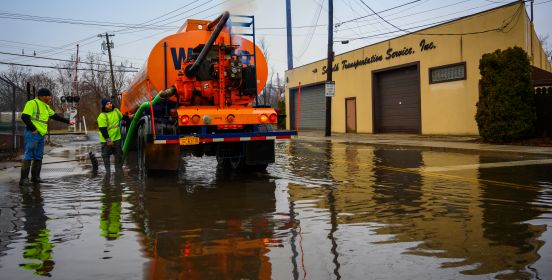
pixel 324 210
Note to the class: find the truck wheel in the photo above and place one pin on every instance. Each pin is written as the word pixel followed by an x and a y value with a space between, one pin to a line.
pixel 236 163
pixel 230 157
pixel 142 142
pixel 230 163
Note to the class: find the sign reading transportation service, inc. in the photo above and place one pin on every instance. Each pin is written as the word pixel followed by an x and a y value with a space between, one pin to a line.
pixel 389 54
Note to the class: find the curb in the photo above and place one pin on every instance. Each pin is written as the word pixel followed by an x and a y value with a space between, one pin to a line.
pixel 442 146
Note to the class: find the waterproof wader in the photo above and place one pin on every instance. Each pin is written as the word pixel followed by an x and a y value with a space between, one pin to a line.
pixel 36 167
pixel 114 149
pixel 39 112
pixel 25 169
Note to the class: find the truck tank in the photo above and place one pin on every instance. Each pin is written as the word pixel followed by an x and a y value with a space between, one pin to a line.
pixel 196 95
pixel 168 57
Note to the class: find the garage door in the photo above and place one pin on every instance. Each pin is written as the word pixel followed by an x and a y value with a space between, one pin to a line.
pixel 397 100
pixel 312 108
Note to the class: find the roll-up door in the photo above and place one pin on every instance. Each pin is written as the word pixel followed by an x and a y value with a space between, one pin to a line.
pixel 397 100
pixel 311 110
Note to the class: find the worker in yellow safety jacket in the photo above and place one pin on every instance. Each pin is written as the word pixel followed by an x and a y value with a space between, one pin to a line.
pixel 109 122
pixel 35 115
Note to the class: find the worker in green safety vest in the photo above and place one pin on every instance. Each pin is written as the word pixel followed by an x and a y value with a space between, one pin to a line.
pixel 35 115
pixel 109 122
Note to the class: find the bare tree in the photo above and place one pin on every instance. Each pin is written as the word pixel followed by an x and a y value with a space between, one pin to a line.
pixel 547 46
pixel 122 76
pixel 17 76
pixel 95 83
pixel 264 48
pixel 65 76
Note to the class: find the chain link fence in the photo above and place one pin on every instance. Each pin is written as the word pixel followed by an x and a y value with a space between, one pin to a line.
pixel 12 100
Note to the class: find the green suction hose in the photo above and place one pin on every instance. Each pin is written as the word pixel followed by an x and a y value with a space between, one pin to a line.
pixel 130 133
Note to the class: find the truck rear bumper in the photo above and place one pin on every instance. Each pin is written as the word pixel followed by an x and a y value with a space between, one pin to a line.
pixel 226 137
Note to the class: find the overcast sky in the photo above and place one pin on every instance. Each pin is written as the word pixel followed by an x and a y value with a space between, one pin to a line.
pixel 53 28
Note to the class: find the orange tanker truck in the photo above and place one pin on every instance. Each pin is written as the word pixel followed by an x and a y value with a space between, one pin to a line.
pixel 197 95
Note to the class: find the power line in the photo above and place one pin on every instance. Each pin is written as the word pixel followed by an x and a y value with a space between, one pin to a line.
pixel 308 40
pixel 64 68
pixel 64 50
pixel 374 13
pixel 368 22
pixel 155 21
pixel 503 26
pixel 58 59
pixel 165 14
pixel 378 15
pixel 55 50
pixel 439 22
pixel 138 26
pixel 337 24
pixel 355 11
pixel 60 49
pixel 126 43
pixel 26 17
pixel 334 15
pixel 392 32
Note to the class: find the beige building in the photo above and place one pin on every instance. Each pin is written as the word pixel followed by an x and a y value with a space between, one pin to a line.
pixel 425 82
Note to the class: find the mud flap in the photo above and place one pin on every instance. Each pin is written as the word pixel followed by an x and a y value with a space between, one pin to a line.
pixel 163 156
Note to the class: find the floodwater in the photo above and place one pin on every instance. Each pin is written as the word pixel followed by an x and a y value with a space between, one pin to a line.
pixel 322 211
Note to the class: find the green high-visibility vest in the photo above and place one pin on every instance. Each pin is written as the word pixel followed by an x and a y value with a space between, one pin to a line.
pixel 40 112
pixel 110 120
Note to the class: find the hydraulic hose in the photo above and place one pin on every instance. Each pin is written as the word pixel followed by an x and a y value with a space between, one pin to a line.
pixel 191 71
pixel 130 133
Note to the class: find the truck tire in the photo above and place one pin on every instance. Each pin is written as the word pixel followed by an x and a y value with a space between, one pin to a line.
pixel 230 156
pixel 236 163
pixel 142 144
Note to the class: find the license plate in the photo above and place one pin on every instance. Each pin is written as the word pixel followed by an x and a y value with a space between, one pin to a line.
pixel 189 140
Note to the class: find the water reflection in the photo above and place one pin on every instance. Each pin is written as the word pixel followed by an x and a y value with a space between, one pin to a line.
pixel 222 230
pixel 323 211
pixel 466 227
pixel 399 192
pixel 110 215
pixel 38 249
pixel 507 225
pixel 310 163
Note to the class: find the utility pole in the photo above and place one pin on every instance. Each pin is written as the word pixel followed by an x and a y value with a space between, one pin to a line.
pixel 13 119
pixel 28 91
pixel 75 79
pixel 72 110
pixel 278 90
pixel 289 40
pixel 329 69
pixel 109 45
pixel 532 27
pixel 531 9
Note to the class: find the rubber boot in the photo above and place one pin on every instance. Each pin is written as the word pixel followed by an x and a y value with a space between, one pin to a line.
pixel 25 169
pixel 35 171
pixel 118 153
pixel 107 164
